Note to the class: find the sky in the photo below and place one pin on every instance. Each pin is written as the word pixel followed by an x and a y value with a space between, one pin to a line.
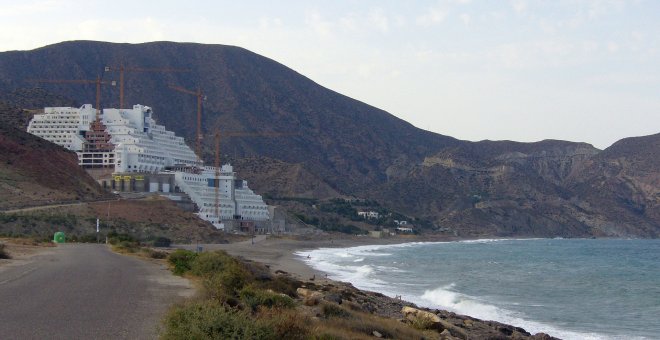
pixel 579 70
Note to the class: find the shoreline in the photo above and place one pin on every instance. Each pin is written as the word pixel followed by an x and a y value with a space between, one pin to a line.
pixel 279 255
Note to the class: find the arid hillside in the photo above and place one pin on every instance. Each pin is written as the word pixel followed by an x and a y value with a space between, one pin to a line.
pixel 339 147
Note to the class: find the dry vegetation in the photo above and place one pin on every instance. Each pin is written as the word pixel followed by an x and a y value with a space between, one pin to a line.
pixel 142 219
pixel 242 300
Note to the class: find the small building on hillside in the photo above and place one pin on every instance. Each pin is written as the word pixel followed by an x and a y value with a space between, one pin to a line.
pixel 368 214
pixel 404 230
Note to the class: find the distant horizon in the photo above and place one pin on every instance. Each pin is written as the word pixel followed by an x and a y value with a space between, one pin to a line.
pixel 523 70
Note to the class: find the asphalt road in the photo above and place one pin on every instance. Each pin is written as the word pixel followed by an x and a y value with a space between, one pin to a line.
pixel 85 291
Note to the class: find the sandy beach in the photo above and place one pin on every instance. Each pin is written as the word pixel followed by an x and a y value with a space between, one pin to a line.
pixel 279 253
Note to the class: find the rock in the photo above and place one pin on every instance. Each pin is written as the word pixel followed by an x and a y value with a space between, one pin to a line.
pixel 438 323
pixel 468 323
pixel 542 336
pixel 377 334
pixel 445 333
pixel 304 292
pixel 310 297
pixel 333 298
pixel 506 330
pixel 410 312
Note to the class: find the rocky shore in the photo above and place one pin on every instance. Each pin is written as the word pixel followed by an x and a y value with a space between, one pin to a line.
pixel 278 255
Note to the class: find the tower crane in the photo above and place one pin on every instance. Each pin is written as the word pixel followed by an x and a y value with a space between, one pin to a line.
pixel 98 81
pixel 200 97
pixel 121 68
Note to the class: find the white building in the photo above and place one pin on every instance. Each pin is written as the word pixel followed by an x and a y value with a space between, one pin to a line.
pixel 136 143
pixel 129 140
pixel 235 200
pixel 141 145
pixel 63 125
pixel 368 214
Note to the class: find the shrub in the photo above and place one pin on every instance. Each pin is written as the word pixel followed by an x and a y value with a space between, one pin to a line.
pixel 254 298
pixel 330 310
pixel 283 285
pixel 422 322
pixel 115 238
pixel 361 324
pixel 285 324
pixel 233 277
pixel 3 252
pixel 215 290
pixel 182 260
pixel 210 262
pixel 160 241
pixel 128 246
pixel 212 320
pixel 223 286
pixel 154 254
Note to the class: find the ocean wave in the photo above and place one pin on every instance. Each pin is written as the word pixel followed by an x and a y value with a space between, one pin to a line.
pixel 443 297
pixel 492 240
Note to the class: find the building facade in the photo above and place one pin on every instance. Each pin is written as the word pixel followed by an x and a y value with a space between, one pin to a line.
pixel 129 141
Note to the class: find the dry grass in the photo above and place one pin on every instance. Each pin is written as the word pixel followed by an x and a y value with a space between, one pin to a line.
pixel 343 323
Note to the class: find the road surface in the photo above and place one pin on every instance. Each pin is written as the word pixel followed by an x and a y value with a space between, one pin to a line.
pixel 85 291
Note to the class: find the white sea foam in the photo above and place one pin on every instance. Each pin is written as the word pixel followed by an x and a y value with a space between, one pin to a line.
pixel 444 297
pixel 333 262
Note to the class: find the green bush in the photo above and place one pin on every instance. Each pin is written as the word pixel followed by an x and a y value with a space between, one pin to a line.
pixel 223 286
pixel 182 260
pixel 159 241
pixel 8 218
pixel 253 298
pixel 212 320
pixel 210 262
pixel 3 252
pixel 128 246
pixel 115 238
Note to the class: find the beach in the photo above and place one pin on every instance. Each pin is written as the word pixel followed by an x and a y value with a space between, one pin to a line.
pixel 279 254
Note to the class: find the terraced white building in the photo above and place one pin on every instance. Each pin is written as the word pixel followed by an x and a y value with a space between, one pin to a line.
pixel 235 200
pixel 130 141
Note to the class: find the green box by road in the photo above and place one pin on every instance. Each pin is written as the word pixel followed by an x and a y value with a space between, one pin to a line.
pixel 59 237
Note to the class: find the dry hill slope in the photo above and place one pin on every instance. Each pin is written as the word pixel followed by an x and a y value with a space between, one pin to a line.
pixel 34 171
pixel 345 147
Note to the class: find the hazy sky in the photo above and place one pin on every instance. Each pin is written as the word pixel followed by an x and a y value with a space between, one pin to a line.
pixel 580 70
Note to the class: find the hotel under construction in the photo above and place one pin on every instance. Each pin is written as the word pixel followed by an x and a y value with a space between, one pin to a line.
pixel 126 150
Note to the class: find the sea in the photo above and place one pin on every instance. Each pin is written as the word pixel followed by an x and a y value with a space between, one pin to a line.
pixel 568 288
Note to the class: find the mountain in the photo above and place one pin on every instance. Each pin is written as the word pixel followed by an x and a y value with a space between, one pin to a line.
pixel 548 188
pixel 336 146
